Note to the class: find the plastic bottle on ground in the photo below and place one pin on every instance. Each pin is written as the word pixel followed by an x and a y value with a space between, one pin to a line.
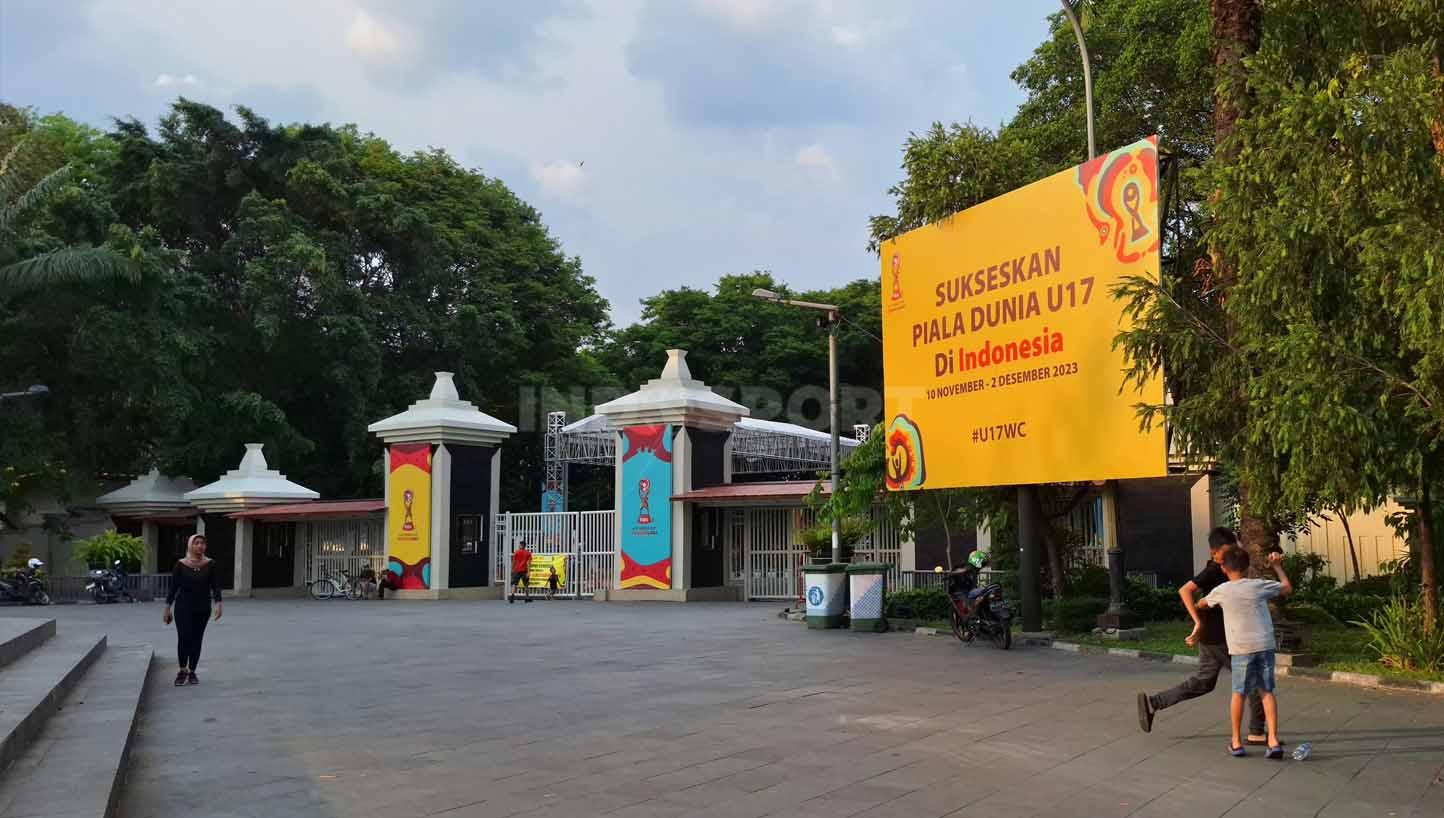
pixel 1302 751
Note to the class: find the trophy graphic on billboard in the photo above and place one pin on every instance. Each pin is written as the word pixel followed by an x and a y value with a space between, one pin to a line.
pixel 408 524
pixel 644 490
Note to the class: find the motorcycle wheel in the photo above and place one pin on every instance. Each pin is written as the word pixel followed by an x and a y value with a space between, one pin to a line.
pixel 960 627
pixel 39 597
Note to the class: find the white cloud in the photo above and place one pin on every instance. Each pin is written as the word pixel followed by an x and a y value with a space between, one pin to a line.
pixel 747 14
pixel 171 80
pixel 846 36
pixel 816 159
pixel 376 41
pixel 562 179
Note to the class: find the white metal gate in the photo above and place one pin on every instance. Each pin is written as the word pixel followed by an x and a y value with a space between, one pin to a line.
pixel 588 538
pixel 773 558
pixel 765 561
pixel 331 546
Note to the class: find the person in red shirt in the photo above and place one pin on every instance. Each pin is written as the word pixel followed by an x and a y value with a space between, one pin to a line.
pixel 520 565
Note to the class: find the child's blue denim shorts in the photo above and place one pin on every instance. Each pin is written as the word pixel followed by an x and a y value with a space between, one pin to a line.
pixel 1253 671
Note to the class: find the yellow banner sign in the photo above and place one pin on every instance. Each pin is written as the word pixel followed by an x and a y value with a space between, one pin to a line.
pixel 998 327
pixel 540 569
pixel 408 516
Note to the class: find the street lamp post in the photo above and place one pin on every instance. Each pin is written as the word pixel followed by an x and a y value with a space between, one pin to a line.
pixel 832 319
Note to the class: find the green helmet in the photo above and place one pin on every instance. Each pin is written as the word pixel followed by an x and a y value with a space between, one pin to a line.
pixel 978 559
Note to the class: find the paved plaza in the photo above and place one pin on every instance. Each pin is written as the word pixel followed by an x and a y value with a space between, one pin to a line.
pixel 482 710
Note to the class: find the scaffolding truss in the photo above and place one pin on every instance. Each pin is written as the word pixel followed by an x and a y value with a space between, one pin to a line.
pixel 758 446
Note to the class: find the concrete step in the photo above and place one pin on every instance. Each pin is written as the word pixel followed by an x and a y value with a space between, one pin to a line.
pixel 20 636
pixel 76 766
pixel 32 687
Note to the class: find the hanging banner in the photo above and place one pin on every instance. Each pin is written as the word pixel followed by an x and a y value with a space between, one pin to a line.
pixel 646 546
pixel 999 366
pixel 540 568
pixel 408 516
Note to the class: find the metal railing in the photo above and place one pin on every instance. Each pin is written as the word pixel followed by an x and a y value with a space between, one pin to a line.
pixel 586 538
pixel 144 587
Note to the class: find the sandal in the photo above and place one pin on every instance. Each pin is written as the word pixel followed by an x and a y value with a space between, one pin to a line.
pixel 1275 752
pixel 1236 752
pixel 180 679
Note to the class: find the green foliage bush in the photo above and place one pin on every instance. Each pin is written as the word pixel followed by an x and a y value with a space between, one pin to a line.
pixel 102 550
pixel 1088 580
pixel 927 604
pixel 1079 615
pixel 1153 604
pixel 1310 613
pixel 1398 636
pixel 1347 607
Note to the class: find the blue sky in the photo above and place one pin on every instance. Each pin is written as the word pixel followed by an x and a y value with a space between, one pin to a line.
pixel 666 142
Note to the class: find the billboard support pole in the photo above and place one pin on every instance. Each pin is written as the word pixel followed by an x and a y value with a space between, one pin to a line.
pixel 1030 529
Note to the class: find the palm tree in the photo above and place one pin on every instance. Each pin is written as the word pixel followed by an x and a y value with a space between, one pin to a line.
pixel 62 265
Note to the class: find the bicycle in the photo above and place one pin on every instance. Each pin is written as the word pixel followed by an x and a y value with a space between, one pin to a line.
pixel 337 584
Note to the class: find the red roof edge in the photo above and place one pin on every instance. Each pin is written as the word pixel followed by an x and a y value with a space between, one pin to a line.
pixel 302 511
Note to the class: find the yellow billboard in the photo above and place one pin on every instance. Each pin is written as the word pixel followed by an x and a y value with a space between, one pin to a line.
pixel 408 516
pixel 998 325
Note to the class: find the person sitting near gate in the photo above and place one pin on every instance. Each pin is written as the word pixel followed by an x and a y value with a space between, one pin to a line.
pixel 520 566
pixel 369 586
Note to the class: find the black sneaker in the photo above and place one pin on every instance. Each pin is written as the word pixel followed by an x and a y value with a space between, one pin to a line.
pixel 192 678
pixel 1145 713
pixel 180 678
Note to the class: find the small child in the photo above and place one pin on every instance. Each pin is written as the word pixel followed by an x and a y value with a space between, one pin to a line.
pixel 1249 628
pixel 552 582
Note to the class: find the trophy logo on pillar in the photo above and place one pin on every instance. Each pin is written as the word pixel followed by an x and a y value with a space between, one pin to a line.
pixel 407 523
pixel 644 491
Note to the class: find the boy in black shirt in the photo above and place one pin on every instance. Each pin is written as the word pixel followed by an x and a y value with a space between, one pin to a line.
pixel 1212 645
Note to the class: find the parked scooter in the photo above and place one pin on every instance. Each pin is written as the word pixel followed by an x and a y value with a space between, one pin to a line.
pixel 26 585
pixel 978 611
pixel 108 585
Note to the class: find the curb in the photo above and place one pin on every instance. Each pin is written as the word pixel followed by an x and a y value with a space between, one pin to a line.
pixel 1331 676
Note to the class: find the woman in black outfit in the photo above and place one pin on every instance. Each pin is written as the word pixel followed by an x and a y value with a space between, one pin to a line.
pixel 193 585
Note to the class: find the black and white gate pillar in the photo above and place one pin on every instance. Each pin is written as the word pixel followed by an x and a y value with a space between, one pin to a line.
pixel 673 436
pixel 442 465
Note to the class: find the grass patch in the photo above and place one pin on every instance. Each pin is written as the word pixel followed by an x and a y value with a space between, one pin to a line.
pixel 1337 647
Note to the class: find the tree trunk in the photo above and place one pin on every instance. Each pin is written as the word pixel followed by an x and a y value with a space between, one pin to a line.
pixel 1429 592
pixel 1237 26
pixel 1349 534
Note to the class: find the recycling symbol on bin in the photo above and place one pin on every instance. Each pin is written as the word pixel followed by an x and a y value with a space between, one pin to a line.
pixel 814 595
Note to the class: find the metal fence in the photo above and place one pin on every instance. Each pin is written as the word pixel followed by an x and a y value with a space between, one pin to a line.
pixel 587 538
pixel 144 587
pixel 332 546
pixel 927 580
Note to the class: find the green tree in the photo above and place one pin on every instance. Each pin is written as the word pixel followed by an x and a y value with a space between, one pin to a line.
pixel 756 352
pixel 40 248
pixel 299 282
pixel 1336 214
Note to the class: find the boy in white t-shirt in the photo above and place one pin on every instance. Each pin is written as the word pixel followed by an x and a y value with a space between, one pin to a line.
pixel 1250 630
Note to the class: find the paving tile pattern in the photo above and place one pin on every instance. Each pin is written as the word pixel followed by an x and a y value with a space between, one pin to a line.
pixel 484 710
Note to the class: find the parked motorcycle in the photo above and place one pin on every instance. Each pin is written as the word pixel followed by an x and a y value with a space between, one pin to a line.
pixel 108 585
pixel 25 586
pixel 978 611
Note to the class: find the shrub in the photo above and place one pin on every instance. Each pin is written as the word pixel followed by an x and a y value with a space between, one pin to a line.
pixel 1398 636
pixel 927 604
pixel 1078 615
pixel 1088 580
pixel 1347 607
pixel 102 550
pixel 1152 604
pixel 1381 585
pixel 1309 613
